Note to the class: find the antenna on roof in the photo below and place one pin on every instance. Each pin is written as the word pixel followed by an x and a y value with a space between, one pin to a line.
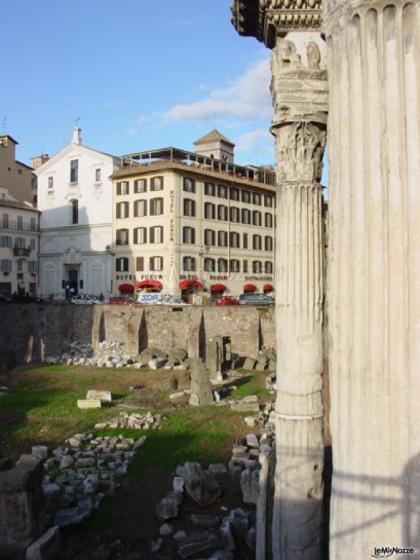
pixel 77 121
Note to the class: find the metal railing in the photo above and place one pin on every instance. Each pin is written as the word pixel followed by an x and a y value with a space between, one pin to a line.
pixel 17 226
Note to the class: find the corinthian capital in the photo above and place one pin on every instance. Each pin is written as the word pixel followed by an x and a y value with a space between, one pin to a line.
pixel 299 149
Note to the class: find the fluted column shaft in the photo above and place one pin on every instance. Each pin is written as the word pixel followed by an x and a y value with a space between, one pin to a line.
pixel 374 267
pixel 299 443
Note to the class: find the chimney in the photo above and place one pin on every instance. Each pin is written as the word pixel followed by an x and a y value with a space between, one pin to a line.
pixel 77 136
pixel 37 161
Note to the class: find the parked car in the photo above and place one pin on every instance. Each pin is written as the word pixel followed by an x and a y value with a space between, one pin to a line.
pixel 226 300
pixel 26 298
pixel 121 300
pixel 256 299
pixel 84 299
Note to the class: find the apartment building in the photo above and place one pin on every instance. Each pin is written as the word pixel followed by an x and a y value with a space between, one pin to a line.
pixel 17 180
pixel 75 197
pixel 192 222
pixel 19 243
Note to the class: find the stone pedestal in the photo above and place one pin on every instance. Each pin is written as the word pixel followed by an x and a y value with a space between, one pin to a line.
pixel 201 391
pixel 374 266
pixel 22 507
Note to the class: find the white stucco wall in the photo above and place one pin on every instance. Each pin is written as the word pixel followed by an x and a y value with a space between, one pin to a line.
pixel 82 246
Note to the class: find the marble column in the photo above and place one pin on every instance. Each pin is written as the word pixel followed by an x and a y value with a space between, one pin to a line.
pixel 299 89
pixel 374 272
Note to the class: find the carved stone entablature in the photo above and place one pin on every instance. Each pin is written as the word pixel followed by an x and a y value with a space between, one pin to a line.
pixel 299 149
pixel 268 19
pixel 299 87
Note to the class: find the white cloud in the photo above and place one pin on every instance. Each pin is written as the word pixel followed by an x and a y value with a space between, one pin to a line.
pixel 247 97
pixel 131 131
pixel 255 139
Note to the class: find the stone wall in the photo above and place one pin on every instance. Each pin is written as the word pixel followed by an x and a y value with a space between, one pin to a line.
pixel 34 332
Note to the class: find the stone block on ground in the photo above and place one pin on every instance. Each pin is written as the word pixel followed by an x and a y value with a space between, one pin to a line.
pixel 217 468
pixel 244 406
pixel 249 363
pixel 40 451
pixel 199 545
pixel 252 440
pixel 157 363
pixel 205 521
pixel 89 403
pixel 47 547
pixel 167 508
pixel 200 485
pixel 103 396
pixel 250 486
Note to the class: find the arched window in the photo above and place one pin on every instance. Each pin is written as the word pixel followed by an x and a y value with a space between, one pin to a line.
pixel 235 265
pixel 188 235
pixel 256 242
pixel 268 243
pixel 189 207
pixel 268 220
pixel 74 207
pixel 188 264
pixel 256 218
pixel 222 265
pixel 209 265
pixel 256 267
pixel 268 267
pixel 209 211
pixel 222 238
pixel 234 239
pixel 209 237
pixel 245 216
pixel 222 212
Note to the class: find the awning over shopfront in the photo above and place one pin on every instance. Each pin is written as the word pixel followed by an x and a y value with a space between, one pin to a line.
pixel 151 284
pixel 268 288
pixel 250 288
pixel 187 284
pixel 217 288
pixel 126 288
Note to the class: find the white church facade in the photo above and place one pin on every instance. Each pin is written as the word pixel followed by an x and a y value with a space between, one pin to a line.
pixel 75 198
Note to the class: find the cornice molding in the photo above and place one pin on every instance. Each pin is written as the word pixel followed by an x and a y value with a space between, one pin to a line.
pixel 268 19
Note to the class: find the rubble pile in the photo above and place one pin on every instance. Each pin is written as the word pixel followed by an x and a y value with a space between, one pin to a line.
pixel 135 421
pixel 213 536
pixel 266 360
pixel 113 354
pixel 80 473
pixel 245 460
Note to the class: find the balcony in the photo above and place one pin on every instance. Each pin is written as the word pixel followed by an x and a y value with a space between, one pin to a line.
pixel 21 251
pixel 14 225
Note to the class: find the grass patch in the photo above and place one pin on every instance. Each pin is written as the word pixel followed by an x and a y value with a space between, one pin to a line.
pixel 41 408
pixel 251 384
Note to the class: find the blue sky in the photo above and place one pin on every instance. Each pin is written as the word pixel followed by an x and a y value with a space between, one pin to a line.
pixel 139 74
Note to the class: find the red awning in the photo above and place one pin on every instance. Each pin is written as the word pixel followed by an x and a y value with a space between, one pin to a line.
pixel 126 288
pixel 185 284
pixel 249 288
pixel 268 288
pixel 154 284
pixel 217 288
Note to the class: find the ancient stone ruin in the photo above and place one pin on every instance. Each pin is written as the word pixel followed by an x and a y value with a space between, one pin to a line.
pixel 369 51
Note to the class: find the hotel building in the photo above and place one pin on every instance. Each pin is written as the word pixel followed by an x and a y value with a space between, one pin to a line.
pixel 192 222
